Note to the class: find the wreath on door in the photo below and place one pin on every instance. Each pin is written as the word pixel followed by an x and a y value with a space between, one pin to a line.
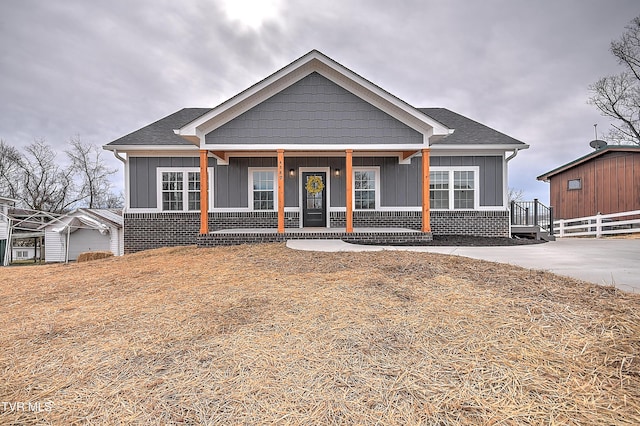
pixel 314 185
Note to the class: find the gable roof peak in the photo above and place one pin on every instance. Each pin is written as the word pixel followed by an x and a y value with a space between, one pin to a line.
pixel 313 61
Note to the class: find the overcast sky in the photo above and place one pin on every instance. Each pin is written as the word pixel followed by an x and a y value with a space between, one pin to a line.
pixel 102 69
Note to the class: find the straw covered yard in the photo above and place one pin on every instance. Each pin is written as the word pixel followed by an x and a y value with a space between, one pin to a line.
pixel 266 335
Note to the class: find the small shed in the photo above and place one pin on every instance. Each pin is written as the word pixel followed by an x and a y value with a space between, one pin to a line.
pixel 604 181
pixel 84 230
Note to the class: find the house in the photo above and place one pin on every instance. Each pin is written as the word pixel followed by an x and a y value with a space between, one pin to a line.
pixel 21 253
pixel 83 230
pixel 313 151
pixel 604 181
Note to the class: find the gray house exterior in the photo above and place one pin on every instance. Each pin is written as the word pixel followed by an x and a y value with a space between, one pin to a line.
pixel 314 149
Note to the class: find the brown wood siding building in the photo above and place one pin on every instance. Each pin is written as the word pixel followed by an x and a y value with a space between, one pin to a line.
pixel 605 181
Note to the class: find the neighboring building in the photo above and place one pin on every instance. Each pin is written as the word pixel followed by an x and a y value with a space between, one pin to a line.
pixel 313 146
pixel 604 181
pixel 83 230
pixel 5 205
pixel 24 253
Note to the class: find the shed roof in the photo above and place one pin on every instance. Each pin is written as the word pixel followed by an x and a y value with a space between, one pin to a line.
pixel 590 156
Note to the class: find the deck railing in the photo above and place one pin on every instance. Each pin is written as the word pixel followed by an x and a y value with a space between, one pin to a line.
pixel 532 213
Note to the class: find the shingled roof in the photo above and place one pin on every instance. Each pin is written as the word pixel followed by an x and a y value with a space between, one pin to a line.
pixel 467 131
pixel 161 132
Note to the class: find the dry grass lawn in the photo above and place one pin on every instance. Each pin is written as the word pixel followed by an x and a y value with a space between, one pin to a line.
pixel 268 335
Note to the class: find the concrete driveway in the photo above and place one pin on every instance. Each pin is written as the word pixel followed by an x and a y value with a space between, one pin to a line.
pixel 600 261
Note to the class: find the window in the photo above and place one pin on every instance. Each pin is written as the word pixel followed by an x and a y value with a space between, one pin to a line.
pixel 463 190
pixel 263 186
pixel 364 189
pixel 574 184
pixel 439 190
pixel 172 191
pixel 453 189
pixel 22 254
pixel 193 190
pixel 179 189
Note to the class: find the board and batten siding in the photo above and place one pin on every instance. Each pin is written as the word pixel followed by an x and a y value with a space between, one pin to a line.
pixel 609 184
pixel 400 183
pixel 314 110
pixel 142 174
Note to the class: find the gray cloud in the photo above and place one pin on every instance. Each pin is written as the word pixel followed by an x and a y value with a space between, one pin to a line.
pixel 104 69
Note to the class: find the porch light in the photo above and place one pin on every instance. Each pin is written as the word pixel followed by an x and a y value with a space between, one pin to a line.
pixel 292 172
pixel 336 172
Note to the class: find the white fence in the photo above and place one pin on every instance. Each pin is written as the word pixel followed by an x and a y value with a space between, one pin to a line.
pixel 599 225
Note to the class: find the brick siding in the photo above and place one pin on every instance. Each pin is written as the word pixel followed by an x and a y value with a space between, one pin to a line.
pixel 476 223
pixel 143 231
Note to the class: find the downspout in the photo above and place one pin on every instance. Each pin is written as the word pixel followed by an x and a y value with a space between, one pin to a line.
pixel 512 156
pixel 506 186
pixel 119 157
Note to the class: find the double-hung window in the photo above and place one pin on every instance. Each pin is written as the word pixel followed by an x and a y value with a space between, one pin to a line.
pixel 179 189
pixel 262 194
pixel 453 188
pixel 366 189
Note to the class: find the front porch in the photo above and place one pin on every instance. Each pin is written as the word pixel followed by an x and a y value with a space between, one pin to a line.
pixel 382 236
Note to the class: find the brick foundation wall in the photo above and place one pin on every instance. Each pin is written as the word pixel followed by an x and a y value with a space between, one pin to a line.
pixel 235 220
pixel 377 238
pixel 376 219
pixel 476 223
pixel 144 231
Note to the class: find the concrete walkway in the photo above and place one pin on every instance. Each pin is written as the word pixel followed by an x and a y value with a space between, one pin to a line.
pixel 600 261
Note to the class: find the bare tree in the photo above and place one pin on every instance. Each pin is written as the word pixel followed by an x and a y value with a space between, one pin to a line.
pixel 515 194
pixel 36 178
pixel 45 185
pixel 95 186
pixel 618 96
pixel 10 170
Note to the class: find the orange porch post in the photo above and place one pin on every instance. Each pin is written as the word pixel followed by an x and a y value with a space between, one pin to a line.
pixel 426 208
pixel 281 191
pixel 204 192
pixel 349 191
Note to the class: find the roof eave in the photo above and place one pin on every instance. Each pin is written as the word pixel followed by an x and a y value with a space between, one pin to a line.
pixel 125 148
pixel 492 147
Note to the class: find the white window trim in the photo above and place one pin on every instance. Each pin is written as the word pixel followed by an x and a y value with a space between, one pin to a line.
pixel 377 189
pixel 476 183
pixel 275 187
pixel 185 188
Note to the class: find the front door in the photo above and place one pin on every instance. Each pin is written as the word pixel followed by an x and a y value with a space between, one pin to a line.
pixel 314 199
